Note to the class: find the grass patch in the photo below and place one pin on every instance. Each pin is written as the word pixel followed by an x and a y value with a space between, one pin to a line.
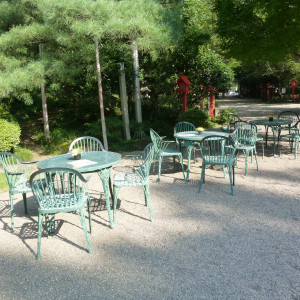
pixel 24 154
pixel 3 183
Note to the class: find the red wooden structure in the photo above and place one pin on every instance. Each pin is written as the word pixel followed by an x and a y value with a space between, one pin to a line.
pixel 293 85
pixel 211 101
pixel 183 88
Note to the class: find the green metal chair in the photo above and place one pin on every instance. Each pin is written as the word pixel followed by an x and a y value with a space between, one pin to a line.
pixel 17 173
pixel 86 144
pixel 245 138
pixel 288 115
pixel 258 139
pixel 217 150
pixel 161 150
pixel 140 177
pixel 60 190
pixel 293 137
pixel 181 127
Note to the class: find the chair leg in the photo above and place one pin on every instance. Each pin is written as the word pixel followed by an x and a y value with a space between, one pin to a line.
pixel 182 168
pixel 231 181
pixel 116 192
pixel 296 147
pixel 12 212
pixel 246 153
pixel 159 167
pixel 174 163
pixel 223 168
pixel 202 180
pixel 256 159
pixel 82 219
pixel 25 203
pixel 40 226
pixel 147 199
pixel 263 149
pixel 89 212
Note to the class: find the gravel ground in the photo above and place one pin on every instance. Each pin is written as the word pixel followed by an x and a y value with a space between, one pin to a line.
pixel 199 246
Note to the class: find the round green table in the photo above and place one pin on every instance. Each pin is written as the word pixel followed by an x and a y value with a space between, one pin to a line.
pixel 190 137
pixel 96 161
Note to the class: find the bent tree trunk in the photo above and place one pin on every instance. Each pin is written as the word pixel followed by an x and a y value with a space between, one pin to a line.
pixel 44 105
pixel 100 95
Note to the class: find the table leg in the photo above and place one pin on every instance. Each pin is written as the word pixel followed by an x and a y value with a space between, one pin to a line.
pixel 189 149
pixel 104 175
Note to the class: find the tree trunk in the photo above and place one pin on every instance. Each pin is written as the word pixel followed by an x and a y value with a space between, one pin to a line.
pixel 44 105
pixel 100 95
pixel 124 102
pixel 136 82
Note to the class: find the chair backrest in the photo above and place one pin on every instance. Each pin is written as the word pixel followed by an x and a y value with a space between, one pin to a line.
pixel 86 144
pixel 245 134
pixel 184 126
pixel 217 149
pixel 144 168
pixel 58 189
pixel 158 143
pixel 232 118
pixel 238 123
pixel 289 115
pixel 13 168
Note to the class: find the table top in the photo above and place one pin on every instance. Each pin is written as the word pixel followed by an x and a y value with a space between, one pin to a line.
pixel 275 122
pixel 195 136
pixel 89 162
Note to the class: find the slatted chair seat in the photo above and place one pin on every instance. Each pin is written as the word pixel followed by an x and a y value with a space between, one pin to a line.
pixel 59 190
pixel 216 150
pixel 129 179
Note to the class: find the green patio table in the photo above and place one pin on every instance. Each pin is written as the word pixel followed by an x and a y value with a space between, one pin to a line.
pixel 275 124
pixel 190 137
pixel 96 161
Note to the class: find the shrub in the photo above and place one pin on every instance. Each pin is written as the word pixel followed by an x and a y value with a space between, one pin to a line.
pixel 9 135
pixel 197 117
pixel 222 117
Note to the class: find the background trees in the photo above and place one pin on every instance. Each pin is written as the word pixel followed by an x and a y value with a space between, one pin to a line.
pixel 204 39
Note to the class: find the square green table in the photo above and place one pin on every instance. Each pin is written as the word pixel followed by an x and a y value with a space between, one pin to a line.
pixel 96 161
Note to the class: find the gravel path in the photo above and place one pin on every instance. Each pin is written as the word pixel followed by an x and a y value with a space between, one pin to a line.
pixel 200 246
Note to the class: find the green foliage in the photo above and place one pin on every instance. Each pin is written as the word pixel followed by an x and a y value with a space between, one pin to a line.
pixel 222 117
pixel 197 117
pixel 9 135
pixel 259 30
pixel 24 154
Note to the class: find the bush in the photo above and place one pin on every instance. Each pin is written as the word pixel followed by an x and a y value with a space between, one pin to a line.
pixel 197 117
pixel 222 117
pixel 9 135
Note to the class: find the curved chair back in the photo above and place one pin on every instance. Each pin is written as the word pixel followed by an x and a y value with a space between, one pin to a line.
pixel 144 168
pixel 217 150
pixel 58 189
pixel 158 143
pixel 289 115
pixel 245 134
pixel 86 144
pixel 184 126
pixel 232 118
pixel 14 168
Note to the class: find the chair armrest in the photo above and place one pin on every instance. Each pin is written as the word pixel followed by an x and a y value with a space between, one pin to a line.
pixel 15 173
pixel 29 162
